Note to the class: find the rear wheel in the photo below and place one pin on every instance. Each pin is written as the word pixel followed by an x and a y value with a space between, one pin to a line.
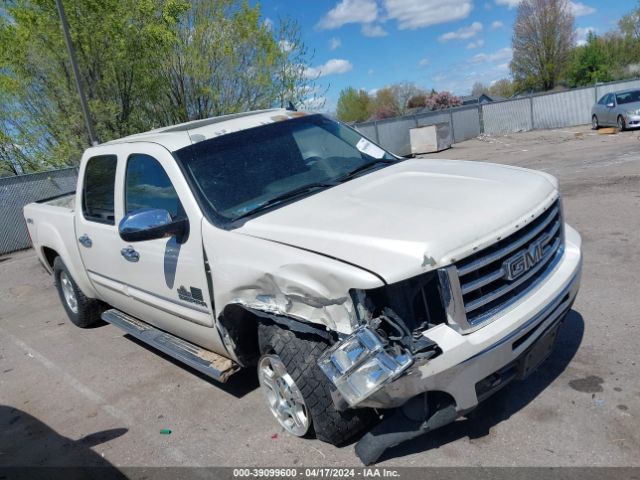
pixel 81 310
pixel 594 123
pixel 298 393
pixel 621 123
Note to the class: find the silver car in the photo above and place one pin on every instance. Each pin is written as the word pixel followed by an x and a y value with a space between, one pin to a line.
pixel 621 109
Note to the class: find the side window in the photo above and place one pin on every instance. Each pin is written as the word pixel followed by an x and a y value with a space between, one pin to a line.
pixel 603 100
pixel 98 189
pixel 609 99
pixel 147 185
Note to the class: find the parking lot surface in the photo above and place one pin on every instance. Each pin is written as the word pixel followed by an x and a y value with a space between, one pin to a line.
pixel 86 397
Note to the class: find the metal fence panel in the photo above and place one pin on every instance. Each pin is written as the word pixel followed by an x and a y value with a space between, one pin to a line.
pixel 368 130
pixel 431 118
pixel 616 87
pixel 16 192
pixel 507 117
pixel 466 123
pixel 394 134
pixel 563 109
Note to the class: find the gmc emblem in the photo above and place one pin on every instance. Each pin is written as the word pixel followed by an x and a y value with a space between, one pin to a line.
pixel 523 261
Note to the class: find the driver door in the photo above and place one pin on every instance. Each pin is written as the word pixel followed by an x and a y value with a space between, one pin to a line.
pixel 166 281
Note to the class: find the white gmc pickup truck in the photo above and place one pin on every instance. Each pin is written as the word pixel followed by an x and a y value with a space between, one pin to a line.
pixel 370 291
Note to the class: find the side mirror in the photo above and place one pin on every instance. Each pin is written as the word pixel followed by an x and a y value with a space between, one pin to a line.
pixel 611 105
pixel 150 224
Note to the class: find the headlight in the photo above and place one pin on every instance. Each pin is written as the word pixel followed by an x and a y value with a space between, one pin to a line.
pixel 359 365
pixel 633 112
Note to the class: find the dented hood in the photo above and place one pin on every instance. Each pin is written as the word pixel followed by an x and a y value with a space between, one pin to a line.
pixel 411 217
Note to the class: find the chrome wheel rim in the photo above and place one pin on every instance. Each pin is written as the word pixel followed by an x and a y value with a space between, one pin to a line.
pixel 68 292
pixel 283 395
pixel 620 123
pixel 594 122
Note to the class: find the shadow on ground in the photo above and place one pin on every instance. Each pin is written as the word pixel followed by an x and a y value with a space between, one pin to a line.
pixel 239 384
pixel 25 441
pixel 506 402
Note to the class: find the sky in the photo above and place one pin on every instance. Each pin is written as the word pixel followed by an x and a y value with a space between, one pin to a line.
pixel 442 44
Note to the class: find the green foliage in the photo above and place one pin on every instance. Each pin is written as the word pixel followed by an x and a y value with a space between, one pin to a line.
pixel 353 105
pixel 590 63
pixel 143 63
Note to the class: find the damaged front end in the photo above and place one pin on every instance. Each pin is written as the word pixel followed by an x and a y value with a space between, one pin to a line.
pixel 391 337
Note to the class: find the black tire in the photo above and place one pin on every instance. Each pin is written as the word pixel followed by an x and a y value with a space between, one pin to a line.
pixel 88 309
pixel 594 123
pixel 621 123
pixel 300 356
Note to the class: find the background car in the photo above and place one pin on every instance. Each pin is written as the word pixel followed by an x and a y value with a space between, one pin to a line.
pixel 621 109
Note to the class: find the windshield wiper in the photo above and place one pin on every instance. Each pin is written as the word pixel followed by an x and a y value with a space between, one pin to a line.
pixel 296 192
pixel 362 168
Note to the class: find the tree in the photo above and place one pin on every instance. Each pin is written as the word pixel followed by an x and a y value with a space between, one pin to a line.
pixel 386 104
pixel 502 88
pixel 143 63
pixel 225 60
pixel 590 63
pixel 403 92
pixel 543 35
pixel 478 89
pixel 442 100
pixel 353 105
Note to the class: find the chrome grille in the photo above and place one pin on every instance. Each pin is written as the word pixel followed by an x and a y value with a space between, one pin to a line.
pixel 484 284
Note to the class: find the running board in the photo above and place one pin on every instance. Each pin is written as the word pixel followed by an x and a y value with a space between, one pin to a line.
pixel 205 361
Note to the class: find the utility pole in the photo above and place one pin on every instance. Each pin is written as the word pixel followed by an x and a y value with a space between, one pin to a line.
pixel 76 74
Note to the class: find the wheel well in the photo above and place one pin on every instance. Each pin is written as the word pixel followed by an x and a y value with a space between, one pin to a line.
pixel 240 325
pixel 50 255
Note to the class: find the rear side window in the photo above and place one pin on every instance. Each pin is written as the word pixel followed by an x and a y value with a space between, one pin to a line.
pixel 98 190
pixel 148 186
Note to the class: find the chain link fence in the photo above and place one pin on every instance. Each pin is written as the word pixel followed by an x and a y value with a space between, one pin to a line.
pixel 16 192
pixel 548 110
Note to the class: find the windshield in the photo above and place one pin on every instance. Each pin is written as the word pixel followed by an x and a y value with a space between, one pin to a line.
pixel 628 97
pixel 243 172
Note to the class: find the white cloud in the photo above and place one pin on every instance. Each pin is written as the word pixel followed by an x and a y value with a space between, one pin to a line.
pixel 496 24
pixel 412 14
pixel 371 71
pixel 582 33
pixel 508 3
pixel 334 66
pixel 369 30
pixel 423 62
pixel 504 54
pixel 334 43
pixel 477 44
pixel 268 23
pixel 349 11
pixel 579 9
pixel 463 33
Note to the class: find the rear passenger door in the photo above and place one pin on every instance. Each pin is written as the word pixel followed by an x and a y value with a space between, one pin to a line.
pixel 96 229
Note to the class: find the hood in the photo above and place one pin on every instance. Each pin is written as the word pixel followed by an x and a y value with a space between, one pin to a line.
pixel 630 107
pixel 411 217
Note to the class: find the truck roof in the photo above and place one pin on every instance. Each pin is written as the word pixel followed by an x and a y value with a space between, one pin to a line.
pixel 178 136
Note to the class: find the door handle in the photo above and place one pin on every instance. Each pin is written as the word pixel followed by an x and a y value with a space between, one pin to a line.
pixel 130 254
pixel 85 241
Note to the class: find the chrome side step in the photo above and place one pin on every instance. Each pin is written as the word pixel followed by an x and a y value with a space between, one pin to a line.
pixel 205 361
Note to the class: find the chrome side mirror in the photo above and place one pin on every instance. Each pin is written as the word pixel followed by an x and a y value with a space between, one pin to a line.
pixel 611 105
pixel 150 224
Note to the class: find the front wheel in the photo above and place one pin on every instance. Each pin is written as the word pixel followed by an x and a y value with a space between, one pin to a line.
pixel 298 393
pixel 621 123
pixel 594 123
